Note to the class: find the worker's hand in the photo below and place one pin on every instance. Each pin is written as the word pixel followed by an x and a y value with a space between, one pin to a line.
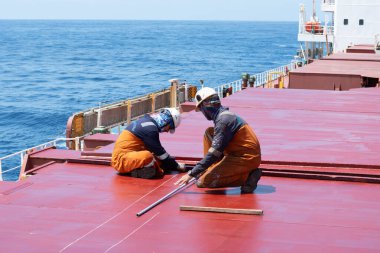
pixel 183 180
pixel 181 167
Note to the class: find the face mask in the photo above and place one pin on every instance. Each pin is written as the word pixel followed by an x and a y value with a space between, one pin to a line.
pixel 209 111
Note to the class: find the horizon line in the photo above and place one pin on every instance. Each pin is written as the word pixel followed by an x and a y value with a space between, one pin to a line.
pixel 106 19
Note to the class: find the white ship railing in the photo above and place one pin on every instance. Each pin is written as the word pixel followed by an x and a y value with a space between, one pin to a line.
pixel 261 78
pixel 377 42
pixel 328 2
pixel 22 153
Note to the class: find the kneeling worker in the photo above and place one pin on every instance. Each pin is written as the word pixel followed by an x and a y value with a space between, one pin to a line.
pixel 231 148
pixel 138 149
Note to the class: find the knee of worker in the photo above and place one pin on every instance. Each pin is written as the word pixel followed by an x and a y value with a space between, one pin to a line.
pixel 257 161
pixel 254 162
pixel 145 155
pixel 209 184
pixel 209 180
pixel 201 184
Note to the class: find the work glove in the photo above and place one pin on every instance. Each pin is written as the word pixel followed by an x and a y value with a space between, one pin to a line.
pixel 181 167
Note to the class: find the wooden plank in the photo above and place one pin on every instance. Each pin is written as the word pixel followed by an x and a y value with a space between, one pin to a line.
pixel 221 210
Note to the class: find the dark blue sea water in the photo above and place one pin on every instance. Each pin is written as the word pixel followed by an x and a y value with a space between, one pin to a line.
pixel 51 69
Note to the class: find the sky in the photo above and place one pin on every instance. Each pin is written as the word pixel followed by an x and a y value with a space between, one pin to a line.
pixel 244 10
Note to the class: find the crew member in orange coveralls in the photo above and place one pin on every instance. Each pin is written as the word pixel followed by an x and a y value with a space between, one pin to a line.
pixel 231 148
pixel 138 149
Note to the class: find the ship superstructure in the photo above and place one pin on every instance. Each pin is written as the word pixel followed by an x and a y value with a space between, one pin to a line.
pixel 345 23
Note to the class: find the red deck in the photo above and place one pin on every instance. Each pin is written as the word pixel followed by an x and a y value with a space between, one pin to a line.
pixel 81 208
pixel 298 126
pixel 343 67
pixel 76 206
pixel 365 48
pixel 353 57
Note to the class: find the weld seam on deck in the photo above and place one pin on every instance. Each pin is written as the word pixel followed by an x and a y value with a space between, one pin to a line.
pixel 338 171
pixel 17 188
pixel 115 216
pixel 130 234
pixel 327 165
pixel 322 176
pixel 194 160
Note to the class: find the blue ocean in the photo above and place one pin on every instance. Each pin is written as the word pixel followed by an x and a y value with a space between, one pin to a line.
pixel 50 69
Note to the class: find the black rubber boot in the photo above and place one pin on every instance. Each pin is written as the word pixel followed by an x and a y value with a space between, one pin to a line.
pixel 145 172
pixel 251 183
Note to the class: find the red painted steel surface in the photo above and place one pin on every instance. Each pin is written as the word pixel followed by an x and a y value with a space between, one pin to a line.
pixel 88 208
pixel 75 207
pixel 353 57
pixel 295 126
pixel 341 72
pixel 299 126
pixel 364 48
pixel 343 67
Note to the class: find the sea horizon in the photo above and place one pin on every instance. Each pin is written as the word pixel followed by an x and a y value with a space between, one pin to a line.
pixel 50 69
pixel 169 20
